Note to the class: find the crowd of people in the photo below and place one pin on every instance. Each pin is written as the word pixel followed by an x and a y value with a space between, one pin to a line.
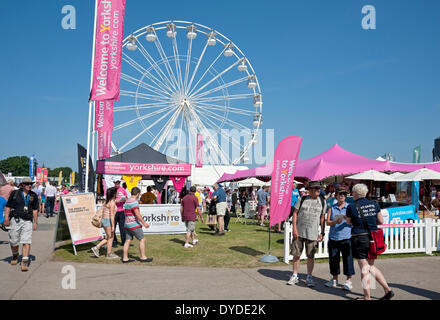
pixel 312 208
pixel 350 225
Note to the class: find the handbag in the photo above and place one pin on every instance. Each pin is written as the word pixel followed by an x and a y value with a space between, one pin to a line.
pixel 377 243
pixel 97 218
pixel 212 219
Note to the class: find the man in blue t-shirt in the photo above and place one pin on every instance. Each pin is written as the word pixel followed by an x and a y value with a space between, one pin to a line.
pixel 295 196
pixel 220 196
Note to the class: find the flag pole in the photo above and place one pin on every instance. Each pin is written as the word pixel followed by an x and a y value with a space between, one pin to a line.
pixel 90 102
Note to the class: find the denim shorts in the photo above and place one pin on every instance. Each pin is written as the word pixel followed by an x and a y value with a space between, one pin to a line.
pixel 106 222
pixel 135 233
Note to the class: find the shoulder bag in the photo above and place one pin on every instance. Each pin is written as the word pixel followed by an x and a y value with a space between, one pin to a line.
pixel 377 243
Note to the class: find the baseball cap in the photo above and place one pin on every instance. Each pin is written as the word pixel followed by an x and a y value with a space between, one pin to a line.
pixel 341 190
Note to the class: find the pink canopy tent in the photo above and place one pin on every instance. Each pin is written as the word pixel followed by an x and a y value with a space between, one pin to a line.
pixel 335 161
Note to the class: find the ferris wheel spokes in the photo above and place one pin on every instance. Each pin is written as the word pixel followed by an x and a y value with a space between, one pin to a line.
pixel 166 62
pixel 148 74
pixel 144 85
pixel 140 106
pixel 223 86
pixel 226 108
pixel 219 129
pixel 166 130
pixel 144 117
pixel 199 60
pixel 206 71
pixel 215 77
pixel 177 63
pixel 145 129
pixel 187 66
pixel 156 67
pixel 229 97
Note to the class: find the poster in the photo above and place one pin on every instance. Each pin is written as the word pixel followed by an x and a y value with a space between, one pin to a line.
pixel 163 219
pixel 79 210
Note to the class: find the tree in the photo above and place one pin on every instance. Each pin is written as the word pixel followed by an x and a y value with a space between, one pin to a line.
pixel 66 172
pixel 18 165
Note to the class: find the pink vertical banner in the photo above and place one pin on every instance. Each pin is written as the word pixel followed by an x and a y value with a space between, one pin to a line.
pixel 104 144
pixel 45 173
pixel 178 182
pixel 104 126
pixel 108 50
pixel 39 177
pixel 104 116
pixel 284 165
pixel 199 151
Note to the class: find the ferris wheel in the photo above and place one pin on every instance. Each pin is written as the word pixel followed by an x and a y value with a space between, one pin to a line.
pixel 180 79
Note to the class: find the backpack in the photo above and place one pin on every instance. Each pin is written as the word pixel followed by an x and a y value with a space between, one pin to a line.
pixel 97 218
pixel 308 197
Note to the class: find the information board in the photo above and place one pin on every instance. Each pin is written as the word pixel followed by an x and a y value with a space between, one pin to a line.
pixel 79 210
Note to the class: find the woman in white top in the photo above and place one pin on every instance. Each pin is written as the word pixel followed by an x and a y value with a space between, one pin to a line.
pixel 108 223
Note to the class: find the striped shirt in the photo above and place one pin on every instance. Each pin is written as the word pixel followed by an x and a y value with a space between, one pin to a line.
pixel 131 222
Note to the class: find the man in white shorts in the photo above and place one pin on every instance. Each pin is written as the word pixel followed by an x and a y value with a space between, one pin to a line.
pixel 220 196
pixel 21 214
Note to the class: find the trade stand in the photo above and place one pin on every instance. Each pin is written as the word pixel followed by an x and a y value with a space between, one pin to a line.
pixel 145 163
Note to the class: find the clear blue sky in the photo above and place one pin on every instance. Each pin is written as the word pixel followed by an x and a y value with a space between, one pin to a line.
pixel 322 76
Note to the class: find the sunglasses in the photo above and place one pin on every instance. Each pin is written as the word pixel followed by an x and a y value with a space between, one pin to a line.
pixel 27 184
pixel 343 194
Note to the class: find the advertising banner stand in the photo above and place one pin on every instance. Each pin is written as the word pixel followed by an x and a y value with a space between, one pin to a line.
pixel 74 220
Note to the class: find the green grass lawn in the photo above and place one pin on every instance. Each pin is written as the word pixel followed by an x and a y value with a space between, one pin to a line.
pixel 240 248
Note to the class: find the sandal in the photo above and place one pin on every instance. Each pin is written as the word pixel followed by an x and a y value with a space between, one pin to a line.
pixel 146 260
pixel 127 261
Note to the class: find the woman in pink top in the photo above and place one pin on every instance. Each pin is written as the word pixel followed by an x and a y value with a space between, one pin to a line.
pixel 108 223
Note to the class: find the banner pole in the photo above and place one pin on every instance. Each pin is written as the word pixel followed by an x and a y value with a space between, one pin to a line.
pixel 90 102
pixel 93 138
pixel 268 258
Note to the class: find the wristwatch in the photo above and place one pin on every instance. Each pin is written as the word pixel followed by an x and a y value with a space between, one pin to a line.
pixel 322 233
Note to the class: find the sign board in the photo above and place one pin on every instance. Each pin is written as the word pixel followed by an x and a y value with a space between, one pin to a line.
pixel 79 210
pixel 163 219
pixel 109 167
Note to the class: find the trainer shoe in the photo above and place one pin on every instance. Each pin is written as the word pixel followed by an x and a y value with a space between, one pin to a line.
pixel 309 281
pixel 195 241
pixel 293 280
pixel 111 256
pixel 347 286
pixel 14 260
pixel 332 283
pixel 95 251
pixel 187 245
pixel 25 264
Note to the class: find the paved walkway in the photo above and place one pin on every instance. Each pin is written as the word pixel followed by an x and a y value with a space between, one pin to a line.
pixel 410 278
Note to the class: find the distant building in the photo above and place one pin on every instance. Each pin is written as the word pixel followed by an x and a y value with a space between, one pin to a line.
pixel 436 150
pixel 389 157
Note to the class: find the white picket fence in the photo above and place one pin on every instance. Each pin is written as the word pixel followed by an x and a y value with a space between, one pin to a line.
pixel 402 237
